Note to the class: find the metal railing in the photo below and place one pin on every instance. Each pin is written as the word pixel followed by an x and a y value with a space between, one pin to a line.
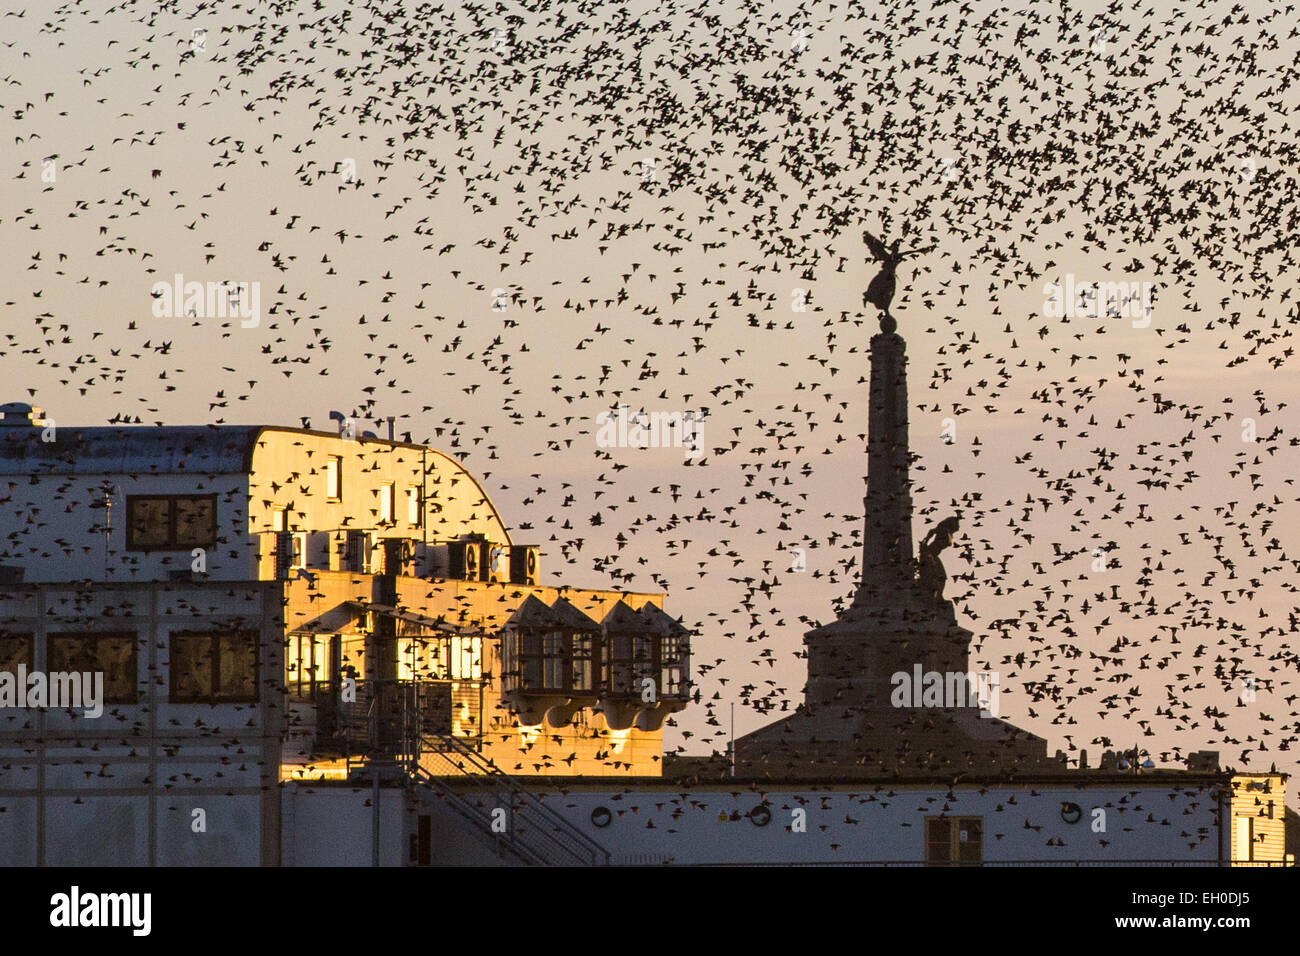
pixel 387 726
pixel 528 829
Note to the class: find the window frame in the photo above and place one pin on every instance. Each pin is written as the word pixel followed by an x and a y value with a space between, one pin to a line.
pixel 643 659
pixel 954 842
pixel 53 639
pixel 554 655
pixel 306 690
pixel 214 697
pixel 30 638
pixel 334 488
pixel 171 544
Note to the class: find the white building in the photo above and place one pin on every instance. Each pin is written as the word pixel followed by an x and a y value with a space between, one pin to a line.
pixel 326 648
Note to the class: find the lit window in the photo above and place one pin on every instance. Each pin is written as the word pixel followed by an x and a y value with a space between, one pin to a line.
pixel 304 666
pixel 386 503
pixel 334 478
pixel 1245 839
pixel 278 522
pixel 413 514
pixel 113 654
pixel 171 522
pixel 214 667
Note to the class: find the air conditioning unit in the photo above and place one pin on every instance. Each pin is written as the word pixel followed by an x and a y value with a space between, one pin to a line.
pixel 399 556
pixel 357 551
pixel 524 563
pixel 1204 761
pixel 466 559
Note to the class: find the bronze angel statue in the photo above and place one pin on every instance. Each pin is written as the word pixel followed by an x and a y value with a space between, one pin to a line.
pixel 880 292
pixel 931 576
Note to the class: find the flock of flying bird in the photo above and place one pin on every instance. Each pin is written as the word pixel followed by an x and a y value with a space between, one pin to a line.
pixel 677 175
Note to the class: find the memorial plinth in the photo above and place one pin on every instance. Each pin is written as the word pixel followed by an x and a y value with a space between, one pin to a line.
pixel 848 725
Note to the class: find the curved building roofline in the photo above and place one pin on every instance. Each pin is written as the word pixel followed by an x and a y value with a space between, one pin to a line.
pixel 166 450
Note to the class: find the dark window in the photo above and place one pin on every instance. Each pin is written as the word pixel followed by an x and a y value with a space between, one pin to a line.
pixel 530 659
pixel 16 649
pixel 954 841
pixel 631 660
pixel 171 522
pixel 582 674
pixel 620 674
pixel 673 656
pixel 555 661
pixel 214 667
pixel 113 654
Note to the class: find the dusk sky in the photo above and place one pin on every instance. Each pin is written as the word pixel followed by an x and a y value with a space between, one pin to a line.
pixel 651 189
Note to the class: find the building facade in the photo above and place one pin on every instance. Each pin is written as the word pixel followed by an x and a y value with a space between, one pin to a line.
pixel 266 605
pixel 324 648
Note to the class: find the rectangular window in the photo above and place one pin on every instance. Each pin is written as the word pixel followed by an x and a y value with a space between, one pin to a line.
pixel 112 654
pixel 938 842
pixel 304 665
pixel 386 503
pixel 553 661
pixel 213 667
pixel 357 548
pixel 582 675
pixel 970 841
pixel 171 522
pixel 673 657
pixel 466 658
pixel 529 659
pixel 334 478
pixel 954 841
pixel 414 514
pixel 289 548
pixel 1245 839
pixel 278 521
pixel 16 649
pixel 619 677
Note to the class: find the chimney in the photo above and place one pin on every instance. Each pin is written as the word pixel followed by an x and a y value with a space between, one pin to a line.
pixel 391 421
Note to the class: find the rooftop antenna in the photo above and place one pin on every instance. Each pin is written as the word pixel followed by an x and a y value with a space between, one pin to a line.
pixel 732 746
pixel 108 524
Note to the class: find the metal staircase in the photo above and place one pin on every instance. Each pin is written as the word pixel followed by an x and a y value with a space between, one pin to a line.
pixel 387 729
pixel 529 831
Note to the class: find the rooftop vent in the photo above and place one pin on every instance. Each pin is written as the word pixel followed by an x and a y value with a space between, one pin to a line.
pixel 22 415
pixel 1204 760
